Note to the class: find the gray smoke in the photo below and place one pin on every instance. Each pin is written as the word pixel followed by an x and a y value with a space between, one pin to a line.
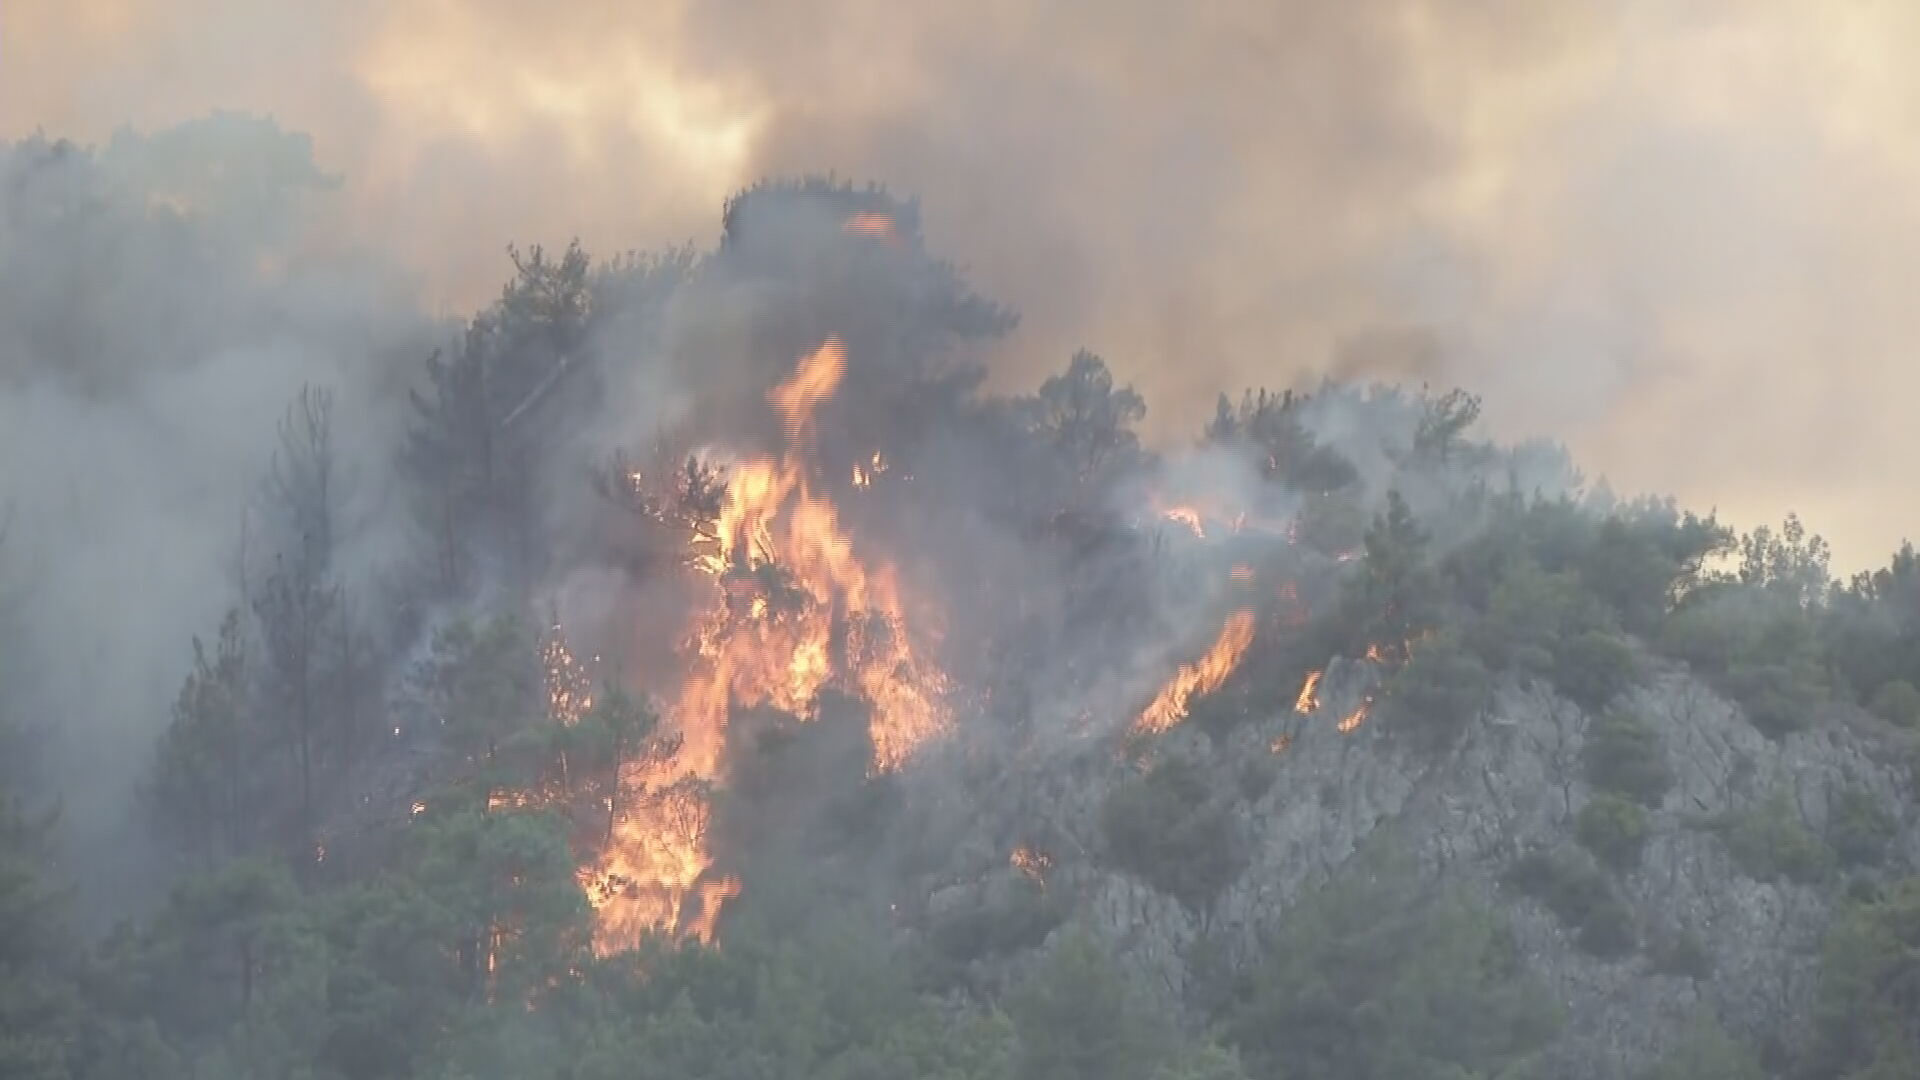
pixel 156 320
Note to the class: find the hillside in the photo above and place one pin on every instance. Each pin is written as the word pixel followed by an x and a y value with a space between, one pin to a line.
pixel 723 683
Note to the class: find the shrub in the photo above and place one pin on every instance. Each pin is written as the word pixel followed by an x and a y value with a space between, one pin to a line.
pixel 1758 649
pixel 1623 755
pixel 1768 843
pixel 1375 976
pixel 1439 692
pixel 1171 829
pixel 1706 1052
pixel 1897 702
pixel 1859 829
pixel 1593 667
pixel 1681 954
pixel 1078 1019
pixel 1864 1008
pixel 1008 921
pixel 1613 828
pixel 1580 896
pixel 1779 697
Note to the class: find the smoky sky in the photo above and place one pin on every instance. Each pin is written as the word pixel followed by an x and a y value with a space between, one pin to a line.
pixel 1677 236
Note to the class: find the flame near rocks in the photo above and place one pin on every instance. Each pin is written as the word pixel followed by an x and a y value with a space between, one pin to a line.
pixel 1203 676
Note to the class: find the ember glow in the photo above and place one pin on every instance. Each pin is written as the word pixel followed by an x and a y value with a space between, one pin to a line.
pixel 793 610
pixel 874 226
pixel 1203 676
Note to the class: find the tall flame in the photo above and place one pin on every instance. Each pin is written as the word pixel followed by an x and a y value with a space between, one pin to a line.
pixel 794 610
pixel 1203 676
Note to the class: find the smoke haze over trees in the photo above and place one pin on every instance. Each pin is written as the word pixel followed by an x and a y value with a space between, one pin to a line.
pixel 1610 221
pixel 779 655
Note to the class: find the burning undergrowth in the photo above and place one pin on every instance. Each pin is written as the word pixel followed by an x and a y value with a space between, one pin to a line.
pixel 824 563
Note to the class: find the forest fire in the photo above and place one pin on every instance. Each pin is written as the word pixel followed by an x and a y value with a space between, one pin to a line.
pixel 873 225
pixel 1187 516
pixel 1352 721
pixel 1308 699
pixel 793 611
pixel 1205 675
pixel 1032 864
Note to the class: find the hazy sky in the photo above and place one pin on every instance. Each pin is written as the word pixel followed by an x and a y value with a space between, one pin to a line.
pixel 1678 234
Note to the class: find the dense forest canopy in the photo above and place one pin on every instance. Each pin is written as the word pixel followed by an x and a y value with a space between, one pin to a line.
pixel 623 681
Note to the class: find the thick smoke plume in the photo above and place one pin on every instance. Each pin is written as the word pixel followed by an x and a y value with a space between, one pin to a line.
pixel 156 323
pixel 1632 225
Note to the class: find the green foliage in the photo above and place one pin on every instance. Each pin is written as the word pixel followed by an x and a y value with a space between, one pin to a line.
pixel 1440 692
pixel 1088 421
pixel 1443 421
pixel 1553 625
pixel 1897 702
pixel 1623 755
pixel 1377 978
pixel 41 1017
pixel 1790 564
pixel 1859 829
pixel 231 970
pixel 1593 667
pixel 1270 427
pixel 1580 896
pixel 1865 1008
pixel 1706 1052
pixel 1644 559
pixel 203 765
pixel 481 683
pixel 1769 843
pixel 1760 649
pixel 1681 954
pixel 1527 612
pixel 1332 524
pixel 1078 1020
pixel 1175 831
pixel 1398 594
pixel 1613 828
pixel 1011 919
pixel 1204 1062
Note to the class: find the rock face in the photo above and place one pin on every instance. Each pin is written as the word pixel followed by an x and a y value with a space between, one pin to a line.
pixel 1515 780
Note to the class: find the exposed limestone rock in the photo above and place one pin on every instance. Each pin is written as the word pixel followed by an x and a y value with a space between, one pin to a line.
pixel 1515 779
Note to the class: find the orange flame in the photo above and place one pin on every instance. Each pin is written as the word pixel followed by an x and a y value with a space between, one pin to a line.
pixel 1033 864
pixel 569 686
pixel 1188 516
pixel 793 611
pixel 1357 717
pixel 863 475
pixel 1308 701
pixel 1205 675
pixel 870 224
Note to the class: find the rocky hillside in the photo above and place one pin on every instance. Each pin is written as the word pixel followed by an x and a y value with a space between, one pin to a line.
pixel 1719 892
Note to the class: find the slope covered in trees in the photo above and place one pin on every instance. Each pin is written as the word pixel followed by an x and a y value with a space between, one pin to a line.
pixel 1464 768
